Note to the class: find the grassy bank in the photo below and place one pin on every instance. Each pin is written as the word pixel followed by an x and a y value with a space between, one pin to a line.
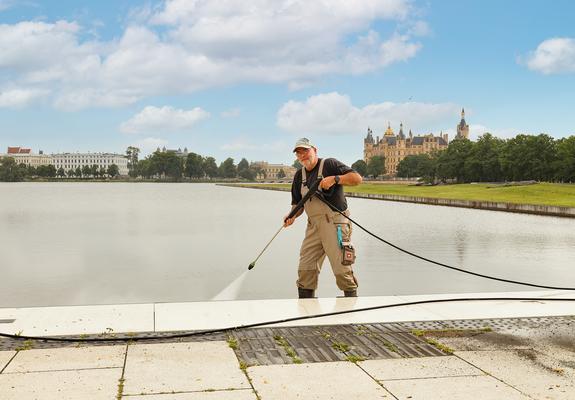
pixel 550 194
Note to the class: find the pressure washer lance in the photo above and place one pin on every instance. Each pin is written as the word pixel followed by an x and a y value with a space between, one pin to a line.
pixel 313 188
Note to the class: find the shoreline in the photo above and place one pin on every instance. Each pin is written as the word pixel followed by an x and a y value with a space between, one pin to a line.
pixel 534 209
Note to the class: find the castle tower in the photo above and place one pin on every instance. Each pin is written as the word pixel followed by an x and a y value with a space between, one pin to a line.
pixel 369 138
pixel 462 128
pixel 400 135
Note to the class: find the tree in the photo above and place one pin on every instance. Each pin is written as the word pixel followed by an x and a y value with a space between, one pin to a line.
pixel 483 162
pixel 167 163
pixel 94 171
pixel 228 169
pixel 113 170
pixel 376 166
pixel 10 171
pixel 46 171
pixel 78 172
pixel 451 161
pixel 194 166
pixel 70 173
pixel 565 163
pixel 210 168
pixel 86 171
pixel 61 172
pixel 243 165
pixel 529 157
pixel 360 167
pixel 132 154
pixel 416 165
pixel 281 174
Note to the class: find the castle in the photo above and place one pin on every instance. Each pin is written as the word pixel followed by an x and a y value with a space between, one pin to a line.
pixel 396 147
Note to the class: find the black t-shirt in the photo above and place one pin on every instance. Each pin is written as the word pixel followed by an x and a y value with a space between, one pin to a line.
pixel 331 167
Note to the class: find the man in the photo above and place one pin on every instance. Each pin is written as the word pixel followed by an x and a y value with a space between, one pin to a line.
pixel 328 232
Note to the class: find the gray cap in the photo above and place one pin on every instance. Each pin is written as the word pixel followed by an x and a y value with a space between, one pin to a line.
pixel 305 143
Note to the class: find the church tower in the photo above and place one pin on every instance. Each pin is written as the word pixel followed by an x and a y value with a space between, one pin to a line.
pixel 462 128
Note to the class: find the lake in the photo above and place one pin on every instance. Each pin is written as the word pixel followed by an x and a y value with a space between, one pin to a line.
pixel 108 243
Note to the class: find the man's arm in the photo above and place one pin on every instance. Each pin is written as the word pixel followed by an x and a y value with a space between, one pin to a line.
pixel 289 221
pixel 352 178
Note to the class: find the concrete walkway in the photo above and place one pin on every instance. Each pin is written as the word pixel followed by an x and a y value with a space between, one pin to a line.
pixel 518 358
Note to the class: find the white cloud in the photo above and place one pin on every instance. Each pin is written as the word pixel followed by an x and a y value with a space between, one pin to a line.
pixel 6 4
pixel 553 56
pixel 150 144
pixel 183 46
pixel 231 113
pixel 334 114
pixel 16 98
pixel 163 119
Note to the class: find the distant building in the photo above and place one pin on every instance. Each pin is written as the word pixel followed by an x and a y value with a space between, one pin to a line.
pixel 396 147
pixel 26 157
pixel 179 152
pixel 68 161
pixel 462 127
pixel 18 150
pixel 272 171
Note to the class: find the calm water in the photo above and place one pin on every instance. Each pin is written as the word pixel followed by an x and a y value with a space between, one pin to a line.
pixel 98 243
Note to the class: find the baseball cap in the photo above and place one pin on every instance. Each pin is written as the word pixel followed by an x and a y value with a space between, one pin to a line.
pixel 305 143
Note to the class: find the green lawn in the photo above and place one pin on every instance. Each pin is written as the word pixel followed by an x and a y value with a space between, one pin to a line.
pixel 542 193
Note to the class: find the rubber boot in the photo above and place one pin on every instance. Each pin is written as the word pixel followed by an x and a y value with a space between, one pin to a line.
pixel 306 293
pixel 350 293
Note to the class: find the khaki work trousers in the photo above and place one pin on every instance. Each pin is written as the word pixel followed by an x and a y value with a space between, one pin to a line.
pixel 321 241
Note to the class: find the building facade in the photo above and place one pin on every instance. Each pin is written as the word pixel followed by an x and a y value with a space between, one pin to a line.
pixel 272 171
pixel 26 157
pixel 396 147
pixel 71 161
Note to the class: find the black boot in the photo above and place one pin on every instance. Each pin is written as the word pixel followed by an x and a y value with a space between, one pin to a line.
pixel 350 293
pixel 306 293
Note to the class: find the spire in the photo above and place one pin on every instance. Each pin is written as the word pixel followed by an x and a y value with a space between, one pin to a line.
pixel 401 135
pixel 369 137
pixel 462 113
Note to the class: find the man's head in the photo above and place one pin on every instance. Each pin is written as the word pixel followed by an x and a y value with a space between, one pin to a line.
pixel 306 153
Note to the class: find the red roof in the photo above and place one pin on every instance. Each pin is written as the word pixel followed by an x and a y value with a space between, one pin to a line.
pixel 18 150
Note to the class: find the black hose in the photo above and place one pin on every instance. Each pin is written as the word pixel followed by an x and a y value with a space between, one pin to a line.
pixel 334 208
pixel 312 190
pixel 279 321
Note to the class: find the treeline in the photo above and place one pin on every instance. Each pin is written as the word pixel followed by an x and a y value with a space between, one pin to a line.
pixel 167 164
pixel 11 171
pixel 490 159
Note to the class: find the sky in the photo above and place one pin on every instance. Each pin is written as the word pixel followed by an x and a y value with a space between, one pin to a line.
pixel 246 79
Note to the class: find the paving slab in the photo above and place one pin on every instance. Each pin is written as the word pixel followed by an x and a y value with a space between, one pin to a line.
pixel 224 314
pixel 68 358
pixel 182 367
pixel 453 388
pixel 93 384
pixel 334 380
pixel 5 357
pixel 329 305
pixel 74 320
pixel 519 367
pixel 416 368
pixel 243 394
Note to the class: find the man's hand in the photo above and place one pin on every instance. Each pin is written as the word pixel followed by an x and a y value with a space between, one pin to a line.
pixel 288 221
pixel 327 182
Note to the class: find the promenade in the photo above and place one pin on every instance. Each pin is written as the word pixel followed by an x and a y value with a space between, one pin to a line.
pixel 497 349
